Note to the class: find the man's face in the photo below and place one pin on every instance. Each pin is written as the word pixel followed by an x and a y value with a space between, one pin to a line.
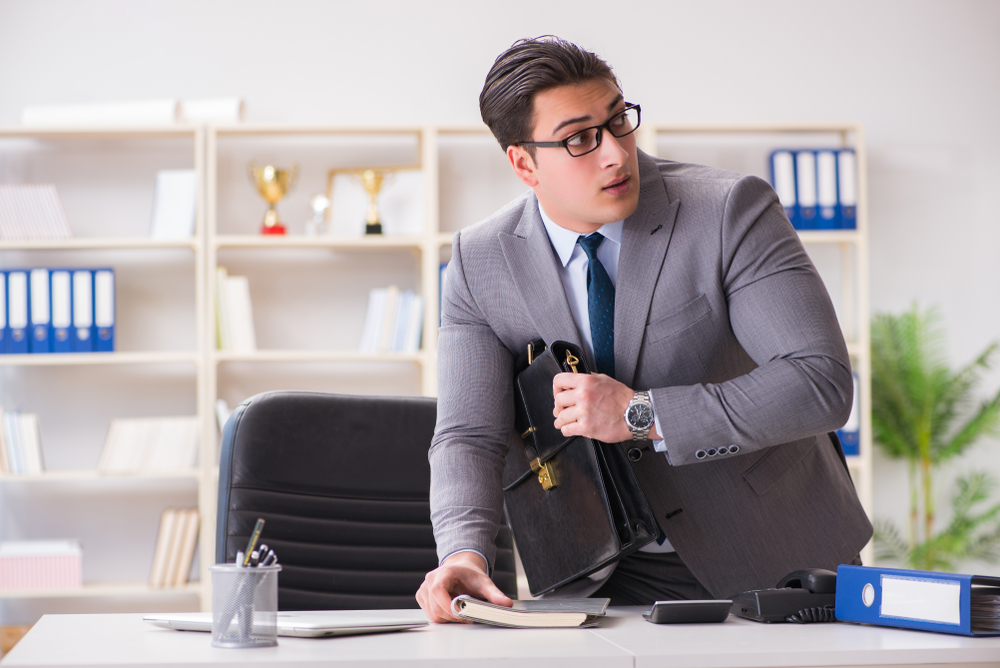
pixel 580 193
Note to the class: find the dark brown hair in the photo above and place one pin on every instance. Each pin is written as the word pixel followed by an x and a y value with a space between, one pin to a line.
pixel 527 68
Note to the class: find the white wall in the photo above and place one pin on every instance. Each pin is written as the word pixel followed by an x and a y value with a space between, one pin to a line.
pixel 922 76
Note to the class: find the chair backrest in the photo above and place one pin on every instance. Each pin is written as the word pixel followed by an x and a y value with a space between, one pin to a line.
pixel 342 483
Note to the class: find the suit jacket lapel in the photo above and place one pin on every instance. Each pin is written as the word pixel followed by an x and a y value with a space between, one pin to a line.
pixel 535 269
pixel 645 238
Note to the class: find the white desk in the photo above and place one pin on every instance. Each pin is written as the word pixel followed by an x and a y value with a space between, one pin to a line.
pixel 624 639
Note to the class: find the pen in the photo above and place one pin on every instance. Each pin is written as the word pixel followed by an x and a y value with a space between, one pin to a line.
pixel 252 543
pixel 239 557
pixel 254 559
pixel 270 559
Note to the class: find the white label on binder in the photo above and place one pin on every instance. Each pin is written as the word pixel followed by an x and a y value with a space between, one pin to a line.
pixel 806 163
pixel 39 296
pixel 17 291
pixel 83 309
pixel 3 300
pixel 826 171
pixel 60 299
pixel 104 299
pixel 847 163
pixel 784 178
pixel 921 600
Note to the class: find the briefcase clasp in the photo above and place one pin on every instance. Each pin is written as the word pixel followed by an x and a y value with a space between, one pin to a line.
pixel 546 476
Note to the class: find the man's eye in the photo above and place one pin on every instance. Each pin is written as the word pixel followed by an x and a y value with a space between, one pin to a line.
pixel 581 138
pixel 618 120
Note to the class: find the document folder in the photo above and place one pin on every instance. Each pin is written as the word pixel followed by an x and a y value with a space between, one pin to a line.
pixel 17 312
pixel 62 306
pixel 923 600
pixel 40 311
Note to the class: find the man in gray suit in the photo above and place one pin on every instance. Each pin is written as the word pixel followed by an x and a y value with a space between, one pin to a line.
pixel 693 298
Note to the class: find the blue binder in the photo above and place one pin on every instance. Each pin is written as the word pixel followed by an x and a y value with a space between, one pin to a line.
pixel 83 331
pixel 847 188
pixel 806 189
pixel 783 182
pixel 827 199
pixel 104 309
pixel 61 291
pixel 923 600
pixel 40 313
pixel 17 312
pixel 4 329
pixel 850 433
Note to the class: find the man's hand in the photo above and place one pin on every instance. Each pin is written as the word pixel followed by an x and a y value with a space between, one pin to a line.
pixel 592 405
pixel 461 573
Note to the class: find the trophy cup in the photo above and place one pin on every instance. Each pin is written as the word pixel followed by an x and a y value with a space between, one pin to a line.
pixel 372 181
pixel 272 184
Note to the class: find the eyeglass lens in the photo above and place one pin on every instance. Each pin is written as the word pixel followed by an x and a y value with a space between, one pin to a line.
pixel 588 140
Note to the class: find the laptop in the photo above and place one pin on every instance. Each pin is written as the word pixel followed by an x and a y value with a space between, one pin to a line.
pixel 306 624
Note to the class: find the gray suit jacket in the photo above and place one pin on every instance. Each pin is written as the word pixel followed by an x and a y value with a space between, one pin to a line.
pixel 721 315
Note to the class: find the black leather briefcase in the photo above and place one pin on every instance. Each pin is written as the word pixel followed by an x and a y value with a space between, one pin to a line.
pixel 573 504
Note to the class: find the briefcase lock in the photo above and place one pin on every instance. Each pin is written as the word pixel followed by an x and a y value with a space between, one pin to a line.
pixel 546 476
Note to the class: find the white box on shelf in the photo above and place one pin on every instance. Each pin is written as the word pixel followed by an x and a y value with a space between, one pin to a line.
pixel 40 564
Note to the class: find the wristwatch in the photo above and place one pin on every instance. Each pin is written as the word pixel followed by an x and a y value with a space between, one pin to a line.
pixel 639 416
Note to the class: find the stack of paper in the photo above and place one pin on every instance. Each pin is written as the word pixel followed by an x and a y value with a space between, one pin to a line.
pixel 234 313
pixel 32 211
pixel 20 445
pixel 394 321
pixel 175 547
pixel 136 445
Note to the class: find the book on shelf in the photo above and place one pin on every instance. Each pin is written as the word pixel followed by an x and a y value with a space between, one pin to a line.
pixel 549 613
pixel 394 321
pixel 173 554
pixel 174 204
pixel 32 212
pixel 234 313
pixel 146 445
pixel 40 564
pixel 21 443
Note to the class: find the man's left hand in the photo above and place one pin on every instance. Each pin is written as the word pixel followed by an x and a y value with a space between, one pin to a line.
pixel 592 405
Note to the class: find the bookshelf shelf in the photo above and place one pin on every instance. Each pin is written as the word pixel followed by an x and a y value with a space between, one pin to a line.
pixel 90 475
pixel 123 589
pixel 831 237
pixel 135 243
pixel 95 359
pixel 333 242
pixel 318 356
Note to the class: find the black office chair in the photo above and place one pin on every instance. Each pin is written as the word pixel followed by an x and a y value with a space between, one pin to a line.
pixel 342 483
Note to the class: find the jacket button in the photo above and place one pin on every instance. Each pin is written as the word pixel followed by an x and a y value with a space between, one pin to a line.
pixel 724 450
pixel 712 452
pixel 733 449
pixel 701 454
pixel 634 454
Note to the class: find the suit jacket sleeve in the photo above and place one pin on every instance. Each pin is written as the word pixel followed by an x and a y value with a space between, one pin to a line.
pixel 781 315
pixel 474 422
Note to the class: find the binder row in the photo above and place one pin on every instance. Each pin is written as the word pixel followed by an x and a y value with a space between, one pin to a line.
pixel 850 433
pixel 57 311
pixel 818 188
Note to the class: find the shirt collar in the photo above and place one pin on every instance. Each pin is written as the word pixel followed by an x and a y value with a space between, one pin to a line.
pixel 564 241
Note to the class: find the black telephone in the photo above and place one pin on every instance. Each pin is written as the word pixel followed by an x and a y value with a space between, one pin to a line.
pixel 802 596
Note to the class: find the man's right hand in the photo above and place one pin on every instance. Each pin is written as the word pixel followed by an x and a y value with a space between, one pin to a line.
pixel 461 573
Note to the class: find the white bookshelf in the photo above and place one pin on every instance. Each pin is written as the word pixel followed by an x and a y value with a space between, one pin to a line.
pixel 106 180
pixel 309 293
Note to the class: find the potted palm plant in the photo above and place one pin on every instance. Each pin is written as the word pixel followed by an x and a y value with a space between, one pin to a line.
pixel 924 412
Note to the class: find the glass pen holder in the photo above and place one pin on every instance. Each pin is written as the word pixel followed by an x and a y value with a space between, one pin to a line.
pixel 244 606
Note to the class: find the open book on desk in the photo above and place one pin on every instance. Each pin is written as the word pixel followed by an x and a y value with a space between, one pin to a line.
pixel 550 613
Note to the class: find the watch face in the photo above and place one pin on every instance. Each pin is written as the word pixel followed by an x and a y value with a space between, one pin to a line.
pixel 639 416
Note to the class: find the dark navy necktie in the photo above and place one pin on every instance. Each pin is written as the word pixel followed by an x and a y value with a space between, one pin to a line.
pixel 601 306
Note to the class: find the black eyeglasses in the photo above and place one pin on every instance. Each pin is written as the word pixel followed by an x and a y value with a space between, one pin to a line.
pixel 586 141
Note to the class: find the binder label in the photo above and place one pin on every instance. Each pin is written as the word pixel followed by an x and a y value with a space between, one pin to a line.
pixel 922 600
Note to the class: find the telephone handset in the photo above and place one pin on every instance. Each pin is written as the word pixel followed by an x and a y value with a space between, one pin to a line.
pixel 802 596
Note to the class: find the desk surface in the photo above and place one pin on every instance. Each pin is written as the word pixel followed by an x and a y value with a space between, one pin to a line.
pixel 624 639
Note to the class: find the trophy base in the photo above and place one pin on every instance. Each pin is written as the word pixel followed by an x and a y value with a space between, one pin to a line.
pixel 277 228
pixel 373 228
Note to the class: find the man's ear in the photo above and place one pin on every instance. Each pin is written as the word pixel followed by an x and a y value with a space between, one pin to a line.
pixel 523 165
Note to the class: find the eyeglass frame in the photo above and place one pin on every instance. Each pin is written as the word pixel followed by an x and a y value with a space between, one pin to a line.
pixel 600 133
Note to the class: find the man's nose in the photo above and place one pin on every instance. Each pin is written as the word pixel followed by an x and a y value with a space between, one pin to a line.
pixel 611 150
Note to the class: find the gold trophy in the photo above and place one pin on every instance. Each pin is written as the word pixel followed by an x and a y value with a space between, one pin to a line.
pixel 272 184
pixel 372 181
